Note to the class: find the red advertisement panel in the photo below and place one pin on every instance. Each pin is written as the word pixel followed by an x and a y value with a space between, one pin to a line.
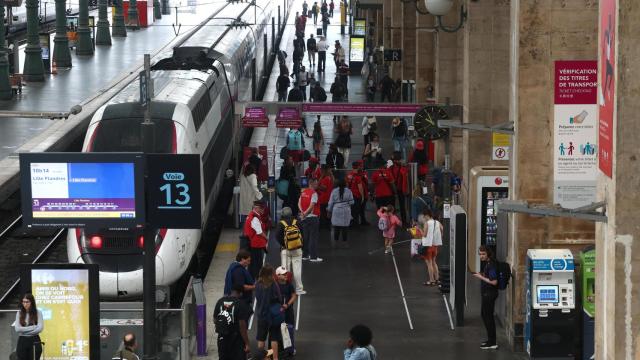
pixel 288 118
pixel 607 85
pixel 576 82
pixel 255 117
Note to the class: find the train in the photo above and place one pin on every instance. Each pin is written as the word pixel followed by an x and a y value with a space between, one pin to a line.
pixel 195 86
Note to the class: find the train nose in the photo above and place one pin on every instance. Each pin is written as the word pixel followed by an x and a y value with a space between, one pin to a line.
pixel 129 284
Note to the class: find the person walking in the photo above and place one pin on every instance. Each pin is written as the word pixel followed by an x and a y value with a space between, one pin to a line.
pixel 339 54
pixel 249 191
pixel 322 48
pixel 309 206
pixel 339 207
pixel 290 238
pixel 128 351
pixel 369 126
pixel 344 130
pixel 303 80
pixel 359 344
pixel 334 158
pixel 315 9
pixel 282 86
pixel 305 8
pixel 231 316
pixel 238 275
pixel 432 240
pixel 386 88
pixel 359 185
pixel 268 310
pixel 387 223
pixel 325 24
pixel 331 7
pixel 372 154
pixel 324 8
pixel 384 185
pixel 318 140
pixel 421 158
pixel 338 90
pixel 312 49
pixel 401 182
pixel 371 89
pixel 344 71
pixel 399 136
pixel 255 230
pixel 313 171
pixel 28 325
pixel 489 294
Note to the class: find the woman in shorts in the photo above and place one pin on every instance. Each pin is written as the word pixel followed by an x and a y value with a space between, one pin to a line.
pixel 431 243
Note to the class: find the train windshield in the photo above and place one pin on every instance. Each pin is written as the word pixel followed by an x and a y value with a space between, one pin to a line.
pixel 123 135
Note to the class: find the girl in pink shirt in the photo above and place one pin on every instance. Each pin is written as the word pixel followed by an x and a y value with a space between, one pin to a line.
pixel 387 224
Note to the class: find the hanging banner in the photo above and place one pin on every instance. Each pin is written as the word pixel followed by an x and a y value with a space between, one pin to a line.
pixel 288 117
pixel 501 146
pixel 606 94
pixel 361 109
pixel 575 133
pixel 255 117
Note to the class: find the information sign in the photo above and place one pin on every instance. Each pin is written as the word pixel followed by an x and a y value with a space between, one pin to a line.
pixel 356 50
pixel 173 191
pixel 392 55
pixel 80 189
pixel 255 116
pixel 607 87
pixel 359 27
pixel 288 117
pixel 501 146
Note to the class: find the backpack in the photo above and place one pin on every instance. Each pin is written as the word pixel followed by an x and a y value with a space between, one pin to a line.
pixel 400 130
pixel 503 270
pixel 311 44
pixel 373 127
pixel 225 321
pixel 292 235
pixel 294 140
pixel 282 187
pixel 383 223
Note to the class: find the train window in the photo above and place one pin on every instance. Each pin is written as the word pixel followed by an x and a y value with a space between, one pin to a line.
pixel 116 135
pixel 201 110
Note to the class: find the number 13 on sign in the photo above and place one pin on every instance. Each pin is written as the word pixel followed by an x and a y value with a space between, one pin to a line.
pixel 181 199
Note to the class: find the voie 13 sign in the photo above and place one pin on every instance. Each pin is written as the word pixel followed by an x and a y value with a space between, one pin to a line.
pixel 173 191
pixel 82 189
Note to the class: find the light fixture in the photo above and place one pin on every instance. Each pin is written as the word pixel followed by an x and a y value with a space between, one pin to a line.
pixel 439 8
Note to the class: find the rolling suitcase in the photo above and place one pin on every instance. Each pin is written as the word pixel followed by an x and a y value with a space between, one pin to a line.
pixel 319 31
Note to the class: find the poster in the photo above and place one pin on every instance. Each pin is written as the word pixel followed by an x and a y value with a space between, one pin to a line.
pixel 606 93
pixel 63 297
pixel 359 27
pixel 575 133
pixel 288 118
pixel 255 117
pixel 356 51
pixel 501 146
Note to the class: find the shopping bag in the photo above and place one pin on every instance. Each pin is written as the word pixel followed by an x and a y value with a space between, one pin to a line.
pixel 415 244
pixel 286 339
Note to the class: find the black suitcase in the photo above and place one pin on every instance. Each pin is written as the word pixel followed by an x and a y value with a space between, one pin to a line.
pixel 319 31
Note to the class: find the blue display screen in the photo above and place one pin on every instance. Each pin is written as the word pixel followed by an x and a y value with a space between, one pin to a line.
pixel 547 294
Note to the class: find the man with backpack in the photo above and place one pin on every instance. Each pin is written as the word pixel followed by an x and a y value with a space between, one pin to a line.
pixel 289 236
pixel 312 48
pixel 399 136
pixel 238 275
pixel 282 86
pixel 230 317
pixel 489 292
pixel 338 90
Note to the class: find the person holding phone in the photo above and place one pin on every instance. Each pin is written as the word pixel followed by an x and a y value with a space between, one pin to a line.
pixel 29 324
pixel 489 292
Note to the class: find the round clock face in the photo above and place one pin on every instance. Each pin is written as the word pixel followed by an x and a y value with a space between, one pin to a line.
pixel 426 122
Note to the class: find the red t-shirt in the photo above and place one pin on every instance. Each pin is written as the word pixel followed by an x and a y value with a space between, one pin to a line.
pixel 305 201
pixel 353 179
pixel 400 176
pixel 323 196
pixel 313 174
pixel 382 179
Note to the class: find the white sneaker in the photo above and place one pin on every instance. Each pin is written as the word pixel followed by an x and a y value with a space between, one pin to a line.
pixel 305 258
pixel 316 260
pixel 300 292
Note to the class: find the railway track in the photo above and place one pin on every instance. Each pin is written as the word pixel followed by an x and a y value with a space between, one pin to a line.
pixel 20 245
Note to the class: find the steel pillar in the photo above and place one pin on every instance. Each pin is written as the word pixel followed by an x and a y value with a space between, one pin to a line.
pixel 133 22
pixel 157 13
pixel 103 36
pixel 85 45
pixel 119 30
pixel 33 65
pixel 61 52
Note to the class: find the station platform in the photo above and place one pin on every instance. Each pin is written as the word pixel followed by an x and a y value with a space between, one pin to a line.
pixel 92 75
pixel 358 284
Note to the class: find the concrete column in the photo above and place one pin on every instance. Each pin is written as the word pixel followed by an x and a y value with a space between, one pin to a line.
pixel 157 14
pixel 424 55
pixel 61 52
pixel 5 84
pixel 408 41
pixel 33 65
pixel 395 67
pixel 85 44
pixel 119 29
pixel 103 37
pixel 448 64
pixel 541 32
pixel 617 252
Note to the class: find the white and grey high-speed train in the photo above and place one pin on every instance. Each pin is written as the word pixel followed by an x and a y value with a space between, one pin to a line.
pixel 195 86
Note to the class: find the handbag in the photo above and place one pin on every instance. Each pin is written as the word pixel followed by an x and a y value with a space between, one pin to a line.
pixel 284 152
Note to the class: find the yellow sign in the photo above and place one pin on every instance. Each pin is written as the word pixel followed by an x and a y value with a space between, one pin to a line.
pixel 63 297
pixel 502 140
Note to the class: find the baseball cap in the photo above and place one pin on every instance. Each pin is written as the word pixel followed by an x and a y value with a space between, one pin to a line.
pixel 281 270
pixel 389 163
pixel 420 145
pixel 313 160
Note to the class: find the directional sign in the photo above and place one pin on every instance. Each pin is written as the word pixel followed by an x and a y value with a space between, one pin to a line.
pixel 104 332
pixel 173 191
pixel 393 55
pixel 144 90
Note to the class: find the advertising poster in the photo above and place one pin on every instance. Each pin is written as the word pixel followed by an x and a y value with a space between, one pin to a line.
pixel 288 118
pixel 575 133
pixel 356 51
pixel 82 190
pixel 63 297
pixel 255 117
pixel 359 27
pixel 606 95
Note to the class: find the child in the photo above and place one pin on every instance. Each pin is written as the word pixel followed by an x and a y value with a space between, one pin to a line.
pixel 387 224
pixel 318 139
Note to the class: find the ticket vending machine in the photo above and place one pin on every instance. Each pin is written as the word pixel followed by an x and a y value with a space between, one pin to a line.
pixel 552 320
pixel 588 291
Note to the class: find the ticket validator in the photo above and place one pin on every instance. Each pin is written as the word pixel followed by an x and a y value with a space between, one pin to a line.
pixel 552 320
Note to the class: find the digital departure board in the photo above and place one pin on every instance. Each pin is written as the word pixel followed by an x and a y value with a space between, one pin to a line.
pixel 77 189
